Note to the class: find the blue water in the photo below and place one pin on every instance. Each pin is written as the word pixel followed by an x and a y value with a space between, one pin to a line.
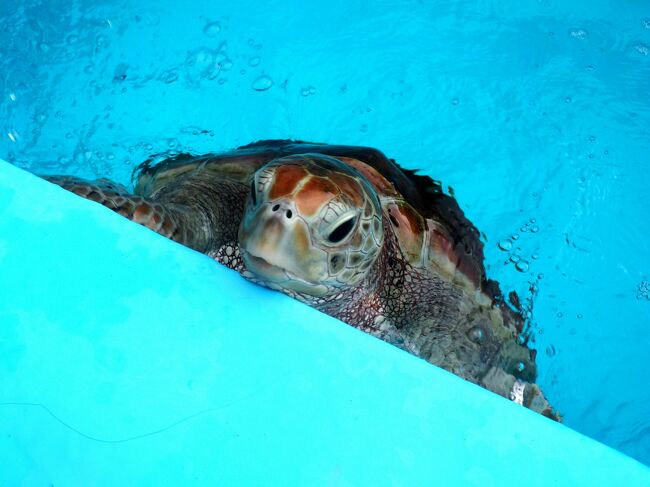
pixel 536 113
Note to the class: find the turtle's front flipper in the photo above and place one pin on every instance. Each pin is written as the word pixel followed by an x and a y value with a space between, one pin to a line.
pixel 167 219
pixel 524 393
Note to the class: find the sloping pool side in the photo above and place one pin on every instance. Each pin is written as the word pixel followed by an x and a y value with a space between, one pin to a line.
pixel 128 359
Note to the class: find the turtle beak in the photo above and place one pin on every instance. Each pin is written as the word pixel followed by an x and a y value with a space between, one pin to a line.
pixel 263 246
pixel 276 247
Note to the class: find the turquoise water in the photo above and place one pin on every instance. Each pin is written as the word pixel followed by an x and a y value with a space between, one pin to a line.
pixel 536 113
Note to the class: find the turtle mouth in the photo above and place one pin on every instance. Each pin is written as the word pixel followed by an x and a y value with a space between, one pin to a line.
pixel 272 272
pixel 263 267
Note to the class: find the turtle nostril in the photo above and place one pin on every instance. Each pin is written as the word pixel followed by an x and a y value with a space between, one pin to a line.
pixel 275 208
pixel 289 214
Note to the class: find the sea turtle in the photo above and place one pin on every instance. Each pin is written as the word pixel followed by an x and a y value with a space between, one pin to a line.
pixel 347 231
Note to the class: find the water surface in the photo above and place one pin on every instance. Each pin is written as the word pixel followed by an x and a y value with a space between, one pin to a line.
pixel 536 113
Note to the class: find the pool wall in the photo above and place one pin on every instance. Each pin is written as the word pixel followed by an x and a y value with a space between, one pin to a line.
pixel 128 359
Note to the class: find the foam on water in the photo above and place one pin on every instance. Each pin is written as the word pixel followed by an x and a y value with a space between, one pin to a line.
pixel 535 113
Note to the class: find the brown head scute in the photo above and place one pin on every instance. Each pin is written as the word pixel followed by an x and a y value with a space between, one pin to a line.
pixel 286 180
pixel 312 225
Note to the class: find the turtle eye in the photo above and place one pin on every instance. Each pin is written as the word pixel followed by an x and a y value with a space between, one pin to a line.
pixel 340 232
pixel 253 192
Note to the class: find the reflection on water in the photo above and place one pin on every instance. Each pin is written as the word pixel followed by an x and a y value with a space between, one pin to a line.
pixel 535 113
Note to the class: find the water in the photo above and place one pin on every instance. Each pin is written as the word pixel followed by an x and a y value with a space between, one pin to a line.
pixel 536 113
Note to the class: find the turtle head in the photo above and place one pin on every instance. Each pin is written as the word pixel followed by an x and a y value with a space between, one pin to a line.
pixel 312 225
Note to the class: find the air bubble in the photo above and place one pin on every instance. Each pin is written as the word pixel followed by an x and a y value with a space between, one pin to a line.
pixel 262 83
pixel 455 101
pixel 523 229
pixel 514 258
pixel 579 316
pixel 644 290
pixel 591 68
pixel 646 23
pixel 534 256
pixel 642 49
pixel 505 245
pixel 309 90
pixel 194 130
pixel 168 76
pixel 200 63
pixel 254 61
pixel 515 237
pixel 522 265
pixel 212 29
pixel 592 138
pixel 534 229
pixel 579 34
pixel 567 99
pixel 560 314
pixel 364 128
pixel 225 65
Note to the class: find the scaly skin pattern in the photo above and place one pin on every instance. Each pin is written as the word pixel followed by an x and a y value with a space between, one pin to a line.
pixel 412 295
pixel 428 317
pixel 394 275
pixel 167 220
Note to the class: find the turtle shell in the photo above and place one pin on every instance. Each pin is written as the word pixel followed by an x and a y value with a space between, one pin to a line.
pixel 431 228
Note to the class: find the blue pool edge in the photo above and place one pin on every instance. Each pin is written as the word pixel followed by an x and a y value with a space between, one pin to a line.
pixel 127 357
